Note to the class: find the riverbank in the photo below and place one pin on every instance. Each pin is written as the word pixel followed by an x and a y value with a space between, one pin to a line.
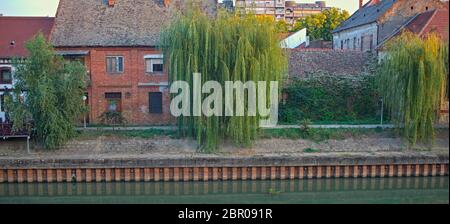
pixel 155 156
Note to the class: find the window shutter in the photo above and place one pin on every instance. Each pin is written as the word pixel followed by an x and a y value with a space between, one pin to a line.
pixel 155 103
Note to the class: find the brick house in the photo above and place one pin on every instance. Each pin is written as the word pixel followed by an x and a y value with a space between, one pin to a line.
pixel 14 33
pixel 117 40
pixel 377 20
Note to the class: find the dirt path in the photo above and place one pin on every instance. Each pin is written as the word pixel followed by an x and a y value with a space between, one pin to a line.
pixel 161 146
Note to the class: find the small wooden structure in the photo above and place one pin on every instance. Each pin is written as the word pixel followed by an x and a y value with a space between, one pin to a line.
pixel 6 132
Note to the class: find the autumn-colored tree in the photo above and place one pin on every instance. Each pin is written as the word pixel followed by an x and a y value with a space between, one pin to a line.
pixel 319 26
pixel 283 26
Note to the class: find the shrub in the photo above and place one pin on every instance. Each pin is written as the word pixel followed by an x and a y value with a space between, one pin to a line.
pixel 324 97
pixel 112 118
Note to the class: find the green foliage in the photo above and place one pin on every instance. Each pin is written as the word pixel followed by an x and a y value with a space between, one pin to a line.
pixel 324 97
pixel 311 150
pixel 413 80
pixel 112 118
pixel 283 27
pixel 319 26
pixel 150 133
pixel 224 48
pixel 54 91
pixel 319 135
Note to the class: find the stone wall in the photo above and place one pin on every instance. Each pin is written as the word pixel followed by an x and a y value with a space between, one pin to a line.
pixel 306 61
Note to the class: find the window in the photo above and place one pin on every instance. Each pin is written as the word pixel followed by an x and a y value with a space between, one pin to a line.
pixel 362 43
pixel 5 76
pixel 371 42
pixel 2 103
pixel 155 103
pixel 354 43
pixel 114 64
pixel 342 44
pixel 154 63
pixel 114 102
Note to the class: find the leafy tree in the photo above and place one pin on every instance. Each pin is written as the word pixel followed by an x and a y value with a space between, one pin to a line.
pixel 413 80
pixel 223 48
pixel 48 91
pixel 283 26
pixel 319 26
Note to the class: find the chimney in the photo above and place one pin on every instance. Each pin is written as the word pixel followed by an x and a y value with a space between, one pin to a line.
pixel 111 3
pixel 360 4
pixel 166 3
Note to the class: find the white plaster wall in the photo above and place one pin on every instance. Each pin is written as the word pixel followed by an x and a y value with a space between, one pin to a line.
pixel 347 36
pixel 295 39
pixel 5 86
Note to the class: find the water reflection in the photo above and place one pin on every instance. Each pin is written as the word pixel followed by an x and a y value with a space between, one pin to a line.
pixel 349 190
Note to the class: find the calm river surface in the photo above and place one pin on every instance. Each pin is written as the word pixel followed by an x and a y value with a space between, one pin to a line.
pixel 370 190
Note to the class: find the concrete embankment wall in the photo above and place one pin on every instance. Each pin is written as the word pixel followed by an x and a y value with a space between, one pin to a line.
pixel 205 169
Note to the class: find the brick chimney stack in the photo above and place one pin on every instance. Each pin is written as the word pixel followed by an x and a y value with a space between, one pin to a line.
pixel 111 3
pixel 166 3
pixel 360 3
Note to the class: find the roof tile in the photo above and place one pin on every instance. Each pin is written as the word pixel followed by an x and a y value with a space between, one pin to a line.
pixel 20 30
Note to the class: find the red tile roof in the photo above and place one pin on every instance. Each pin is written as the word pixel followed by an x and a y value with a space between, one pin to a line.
pixel 20 30
pixel 431 21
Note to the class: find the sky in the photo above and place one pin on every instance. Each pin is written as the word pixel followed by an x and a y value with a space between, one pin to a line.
pixel 48 7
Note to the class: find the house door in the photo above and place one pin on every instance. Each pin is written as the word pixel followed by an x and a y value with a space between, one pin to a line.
pixel 155 103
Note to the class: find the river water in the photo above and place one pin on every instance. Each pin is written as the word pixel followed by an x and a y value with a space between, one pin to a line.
pixel 406 190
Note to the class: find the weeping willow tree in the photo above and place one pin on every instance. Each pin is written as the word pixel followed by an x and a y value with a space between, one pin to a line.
pixel 222 47
pixel 413 81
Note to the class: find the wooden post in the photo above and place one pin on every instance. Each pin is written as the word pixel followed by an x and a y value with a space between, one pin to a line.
pixel 205 174
pixel 176 174
pixel 215 174
pixel 254 173
pixel 282 173
pixel 137 174
pixel 292 173
pixel 328 172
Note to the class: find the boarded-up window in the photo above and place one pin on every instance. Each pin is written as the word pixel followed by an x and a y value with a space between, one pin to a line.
pixel 155 103
pixel 114 64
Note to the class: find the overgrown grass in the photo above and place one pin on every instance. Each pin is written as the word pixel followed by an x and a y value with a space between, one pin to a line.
pixel 314 134
pixel 150 133
pixel 349 122
pixel 318 135
pixel 311 150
